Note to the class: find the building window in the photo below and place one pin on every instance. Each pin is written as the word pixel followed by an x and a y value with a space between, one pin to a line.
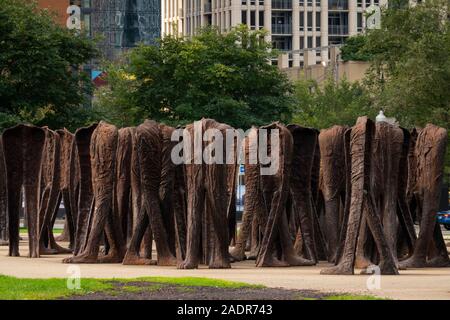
pixel 281 4
pixel 309 3
pixel 301 3
pixel 367 3
pixel 244 17
pixel 302 21
pixel 318 45
pixel 281 22
pixel 282 43
pixel 317 21
pixel 359 22
pixel 338 23
pixel 252 19
pixel 317 3
pixel 252 2
pixel 338 4
pixel 376 2
pixel 261 19
pixel 243 2
pixel 310 42
pixel 359 3
pixel 309 20
pixel 261 3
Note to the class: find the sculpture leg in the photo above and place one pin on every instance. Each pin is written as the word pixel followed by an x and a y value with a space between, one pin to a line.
pixel 251 205
pixel 289 253
pixel 132 256
pixel 215 182
pixel 195 207
pixel 85 198
pixel 179 209
pixel 387 262
pixel 364 245
pixel 69 224
pixel 331 226
pixel 14 205
pixel 147 246
pixel 438 257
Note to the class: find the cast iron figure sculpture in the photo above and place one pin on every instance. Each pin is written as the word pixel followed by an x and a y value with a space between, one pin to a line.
pixel 253 205
pixel 103 156
pixel 68 186
pixel 430 249
pixel 333 184
pixel 304 147
pixel 23 146
pixel 50 193
pixel 206 190
pixel 82 163
pixel 153 157
pixel 123 203
pixel 360 144
pixel 275 190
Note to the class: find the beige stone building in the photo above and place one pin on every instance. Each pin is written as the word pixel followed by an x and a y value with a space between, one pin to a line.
pixel 294 25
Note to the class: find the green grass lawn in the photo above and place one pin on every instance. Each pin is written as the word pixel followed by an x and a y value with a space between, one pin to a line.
pixel 12 288
pixel 55 230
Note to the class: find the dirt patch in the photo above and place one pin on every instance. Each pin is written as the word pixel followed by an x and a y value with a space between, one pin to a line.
pixel 158 291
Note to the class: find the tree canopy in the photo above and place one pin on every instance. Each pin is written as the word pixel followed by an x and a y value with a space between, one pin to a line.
pixel 410 63
pixel 225 76
pixel 331 103
pixel 353 49
pixel 40 77
pixel 410 72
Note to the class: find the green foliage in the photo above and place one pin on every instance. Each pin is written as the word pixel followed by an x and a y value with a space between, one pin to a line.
pixel 331 104
pixel 410 72
pixel 40 78
pixel 221 76
pixel 353 49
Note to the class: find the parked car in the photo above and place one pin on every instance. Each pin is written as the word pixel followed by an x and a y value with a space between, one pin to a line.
pixel 444 219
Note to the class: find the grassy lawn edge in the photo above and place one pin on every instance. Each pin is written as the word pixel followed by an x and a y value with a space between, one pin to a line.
pixel 13 288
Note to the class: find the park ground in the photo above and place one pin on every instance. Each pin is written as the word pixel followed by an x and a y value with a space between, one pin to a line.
pixel 242 281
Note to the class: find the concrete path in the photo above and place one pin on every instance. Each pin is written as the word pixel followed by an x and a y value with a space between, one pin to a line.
pixel 410 284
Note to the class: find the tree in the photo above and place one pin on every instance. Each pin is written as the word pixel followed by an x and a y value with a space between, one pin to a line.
pixel 331 104
pixel 410 69
pixel 353 49
pixel 40 77
pixel 222 76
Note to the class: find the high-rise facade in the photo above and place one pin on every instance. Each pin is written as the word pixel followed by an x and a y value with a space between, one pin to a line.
pixel 122 24
pixel 293 25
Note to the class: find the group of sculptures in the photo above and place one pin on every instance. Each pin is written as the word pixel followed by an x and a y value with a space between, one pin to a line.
pixel 347 195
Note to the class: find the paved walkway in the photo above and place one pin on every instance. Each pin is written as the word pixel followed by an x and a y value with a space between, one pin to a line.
pixel 410 284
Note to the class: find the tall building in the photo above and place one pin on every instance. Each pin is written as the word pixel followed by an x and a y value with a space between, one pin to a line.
pixel 293 25
pixel 121 24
